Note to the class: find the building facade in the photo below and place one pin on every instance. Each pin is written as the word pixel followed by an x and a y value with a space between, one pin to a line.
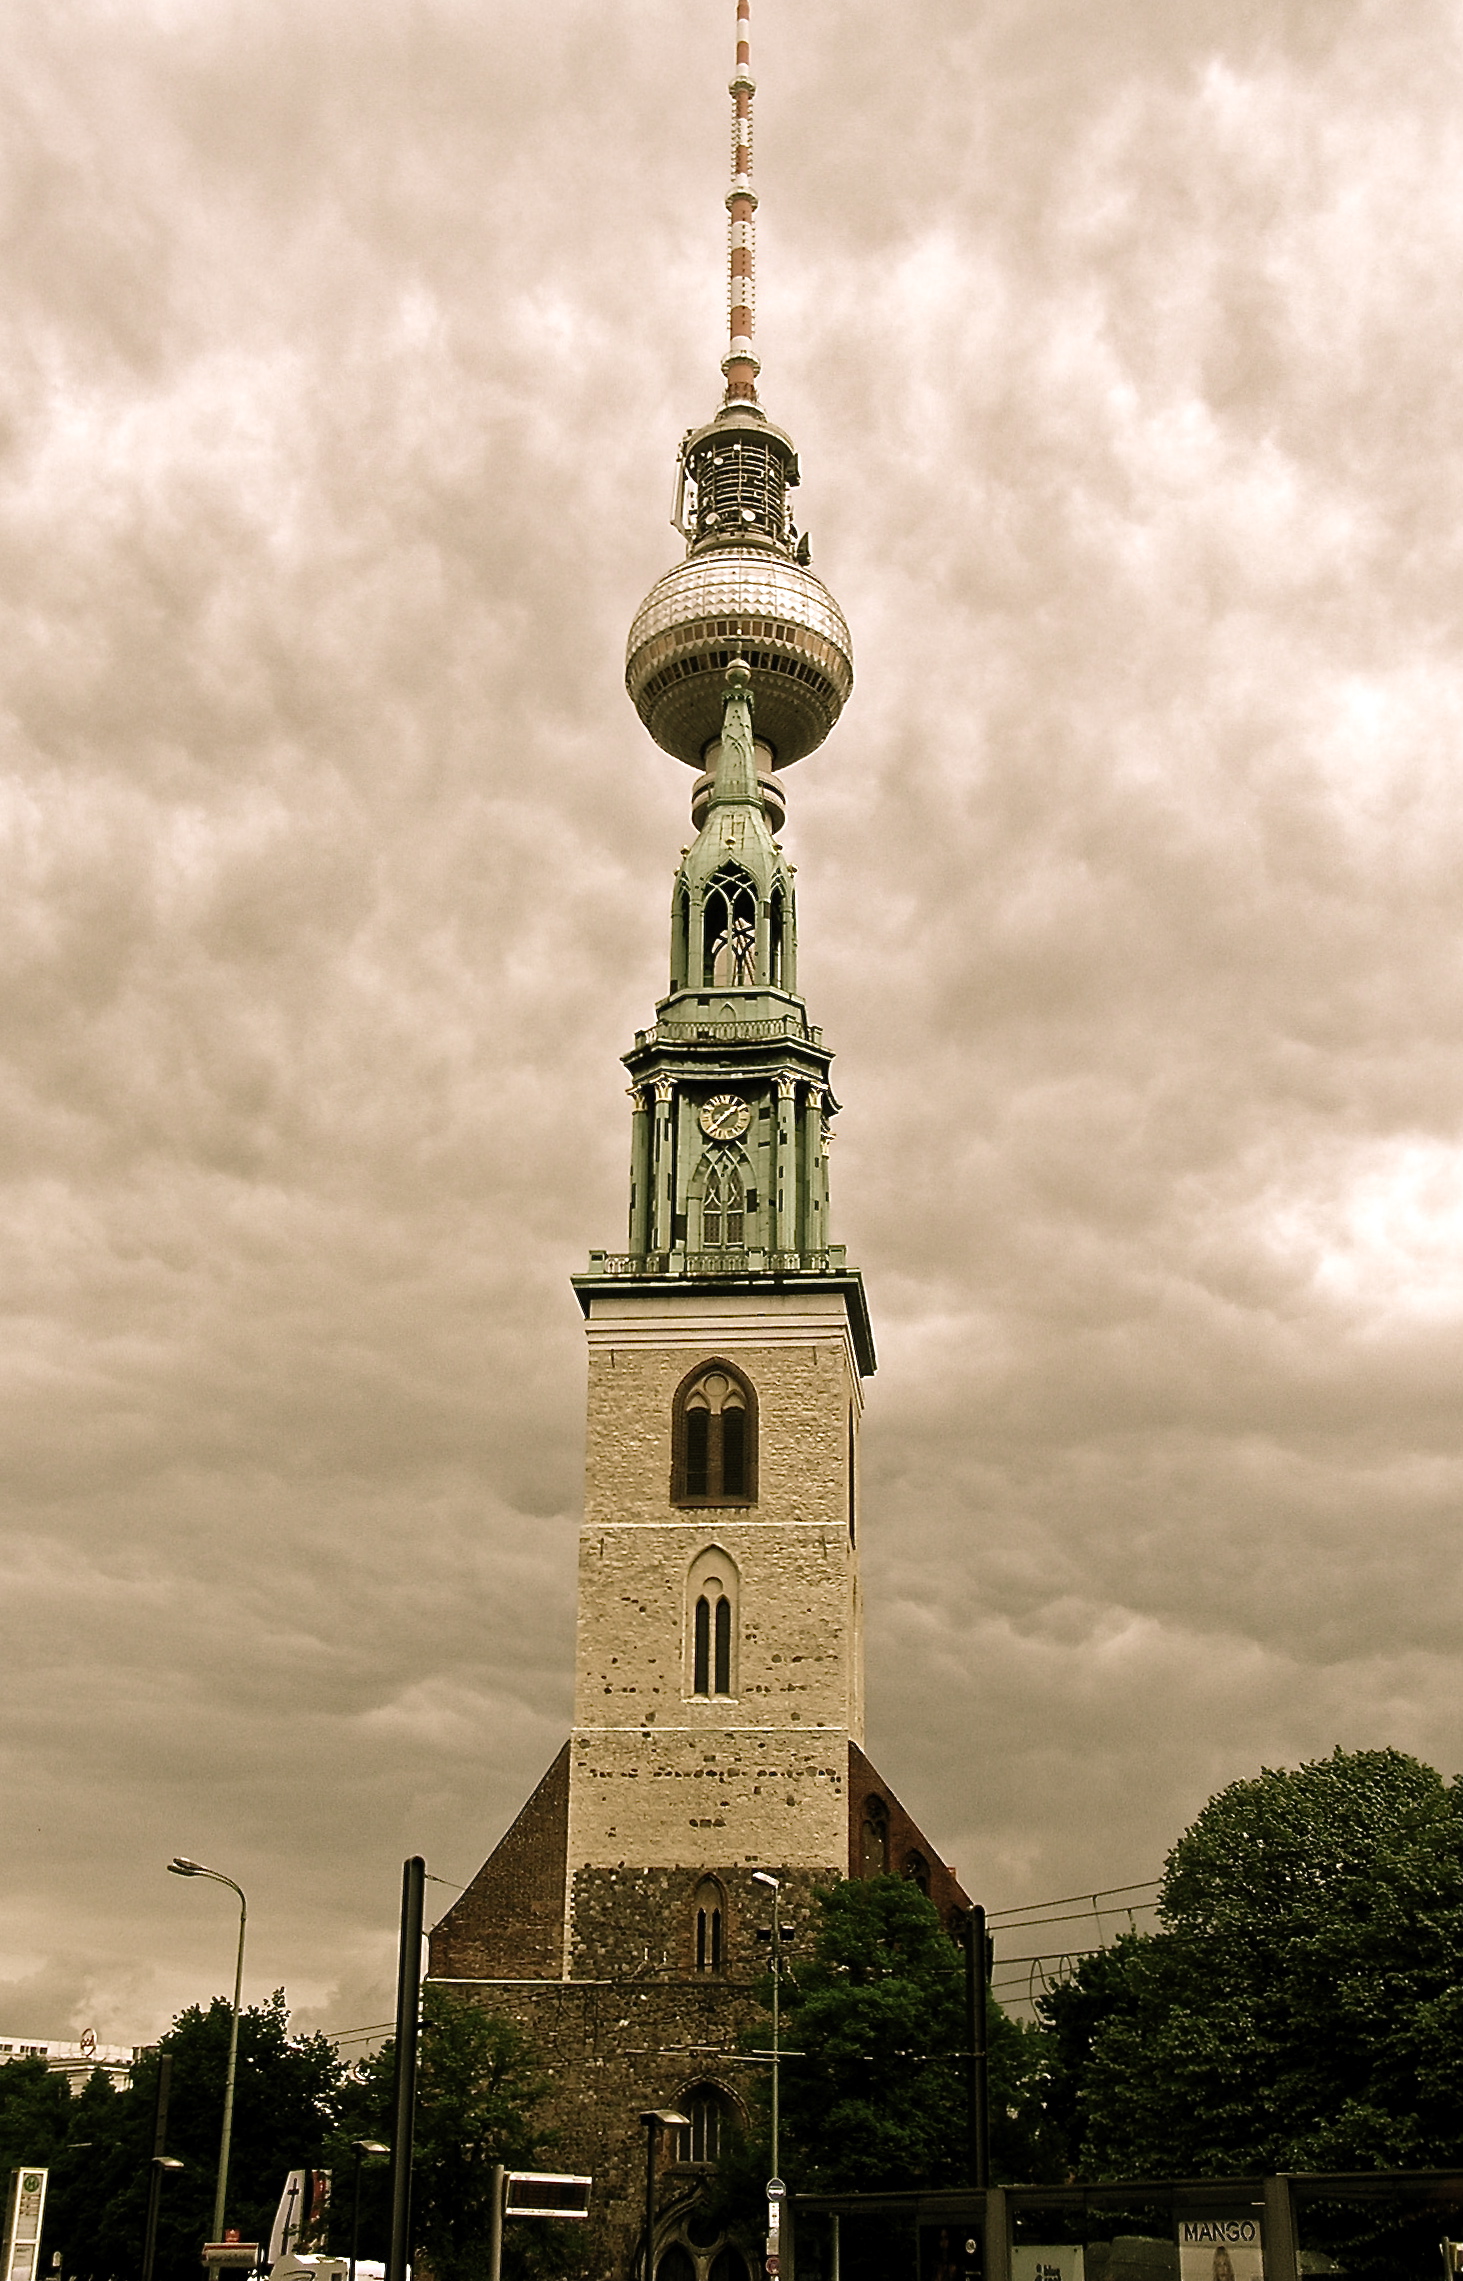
pixel 718 1720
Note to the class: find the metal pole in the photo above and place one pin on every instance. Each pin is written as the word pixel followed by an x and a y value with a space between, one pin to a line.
pixel 495 2228
pixel 495 2224
pixel 220 2197
pixel 652 2134
pixel 356 2210
pixel 181 1866
pixel 833 2272
pixel 776 2024
pixel 978 1983
pixel 404 2087
pixel 159 2146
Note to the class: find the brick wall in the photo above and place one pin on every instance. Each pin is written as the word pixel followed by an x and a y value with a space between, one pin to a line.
pixel 509 1924
pixel 905 1838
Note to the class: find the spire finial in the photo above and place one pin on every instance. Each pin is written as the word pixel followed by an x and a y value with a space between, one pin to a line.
pixel 740 362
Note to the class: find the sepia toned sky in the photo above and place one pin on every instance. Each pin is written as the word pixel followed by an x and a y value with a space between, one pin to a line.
pixel 346 347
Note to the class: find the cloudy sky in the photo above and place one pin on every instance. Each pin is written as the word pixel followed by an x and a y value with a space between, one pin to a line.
pixel 346 345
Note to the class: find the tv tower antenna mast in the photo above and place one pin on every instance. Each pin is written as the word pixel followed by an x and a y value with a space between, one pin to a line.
pixel 740 362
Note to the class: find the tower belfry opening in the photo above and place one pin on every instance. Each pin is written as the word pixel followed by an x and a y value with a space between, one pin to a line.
pixel 718 1717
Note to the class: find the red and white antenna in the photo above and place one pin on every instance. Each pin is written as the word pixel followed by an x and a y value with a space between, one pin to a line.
pixel 740 362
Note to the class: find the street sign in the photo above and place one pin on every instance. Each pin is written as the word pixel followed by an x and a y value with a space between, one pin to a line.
pixel 545 2194
pixel 241 2255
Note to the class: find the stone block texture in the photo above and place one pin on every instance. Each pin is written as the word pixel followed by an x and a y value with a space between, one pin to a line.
pixel 581 1926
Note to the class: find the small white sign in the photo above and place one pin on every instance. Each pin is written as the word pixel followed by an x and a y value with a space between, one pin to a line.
pixel 1041 2261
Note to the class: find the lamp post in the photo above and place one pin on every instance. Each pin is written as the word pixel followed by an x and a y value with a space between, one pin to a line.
pixel 654 2118
pixel 765 1877
pixel 160 2163
pixel 182 1867
pixel 776 2191
pixel 360 2148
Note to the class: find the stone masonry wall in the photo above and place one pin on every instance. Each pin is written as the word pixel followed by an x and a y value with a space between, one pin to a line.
pixel 613 2049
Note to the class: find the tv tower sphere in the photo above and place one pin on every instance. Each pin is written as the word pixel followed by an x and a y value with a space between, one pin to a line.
pixel 744 589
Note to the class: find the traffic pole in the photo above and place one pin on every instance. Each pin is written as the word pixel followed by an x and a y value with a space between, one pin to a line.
pixel 404 2086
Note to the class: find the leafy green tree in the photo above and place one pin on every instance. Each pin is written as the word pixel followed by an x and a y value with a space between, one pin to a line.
pixel 877 2011
pixel 285 2099
pixel 35 2114
pixel 1301 2007
pixel 479 2101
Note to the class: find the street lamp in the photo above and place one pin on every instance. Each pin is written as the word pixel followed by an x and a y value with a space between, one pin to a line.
pixel 181 1867
pixel 765 1877
pixel 360 2148
pixel 160 2164
pixel 654 2119
pixel 776 2191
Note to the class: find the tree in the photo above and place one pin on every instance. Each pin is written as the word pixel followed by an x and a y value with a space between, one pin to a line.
pixel 35 2114
pixel 285 2099
pixel 877 2013
pixel 479 2093
pixel 1301 2006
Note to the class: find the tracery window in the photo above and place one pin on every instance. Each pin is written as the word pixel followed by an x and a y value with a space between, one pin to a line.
pixel 723 1206
pixel 729 933
pixel 711 1609
pixel 714 1438
pixel 705 2140
pixel 709 1926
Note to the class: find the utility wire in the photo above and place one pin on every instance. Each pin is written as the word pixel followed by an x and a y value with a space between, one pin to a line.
pixel 1063 1900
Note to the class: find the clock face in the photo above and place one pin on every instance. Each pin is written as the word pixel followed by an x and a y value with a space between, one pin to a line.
pixel 725 1117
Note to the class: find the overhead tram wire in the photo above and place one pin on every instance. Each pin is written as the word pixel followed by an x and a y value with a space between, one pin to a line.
pixel 1064 1900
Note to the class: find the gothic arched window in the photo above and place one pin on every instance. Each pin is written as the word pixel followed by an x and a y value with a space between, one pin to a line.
pixel 917 1870
pixel 709 1926
pixel 681 943
pixel 776 924
pixel 706 2139
pixel 874 1839
pixel 723 1206
pixel 711 1624
pixel 729 933
pixel 714 1438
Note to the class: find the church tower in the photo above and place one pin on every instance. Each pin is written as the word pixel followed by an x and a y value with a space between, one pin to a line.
pixel 718 1716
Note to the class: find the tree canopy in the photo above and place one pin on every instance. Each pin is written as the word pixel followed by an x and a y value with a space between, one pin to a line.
pixel 479 2093
pixel 876 2008
pixel 1300 2007
pixel 284 2105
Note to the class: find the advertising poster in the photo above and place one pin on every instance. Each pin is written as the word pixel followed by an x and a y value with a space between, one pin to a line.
pixel 23 2214
pixel 1221 2248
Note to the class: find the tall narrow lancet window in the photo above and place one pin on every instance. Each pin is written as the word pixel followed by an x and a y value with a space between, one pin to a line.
pixel 711 1625
pixel 729 933
pixel 709 1926
pixel 714 1438
pixel 874 1846
pixel 681 943
pixel 775 921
